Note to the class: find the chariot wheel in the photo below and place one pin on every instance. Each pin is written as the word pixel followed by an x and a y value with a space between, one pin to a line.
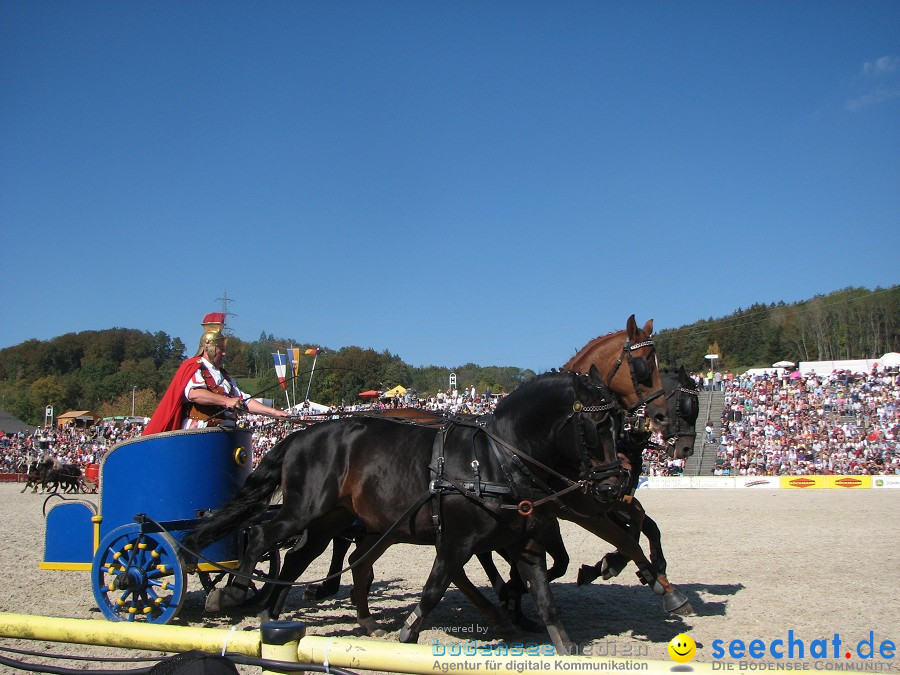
pixel 268 566
pixel 138 576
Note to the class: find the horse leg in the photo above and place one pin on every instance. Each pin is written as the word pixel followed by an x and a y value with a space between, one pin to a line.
pixel 448 561
pixel 510 593
pixel 510 599
pixel 285 525
pixel 498 619
pixel 362 561
pixel 295 563
pixel 613 563
pixel 532 565
pixel 553 543
pixel 628 516
pixel 654 538
pixel 674 601
pixel 331 585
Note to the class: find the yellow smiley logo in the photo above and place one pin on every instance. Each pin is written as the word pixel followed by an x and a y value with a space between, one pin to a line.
pixel 682 648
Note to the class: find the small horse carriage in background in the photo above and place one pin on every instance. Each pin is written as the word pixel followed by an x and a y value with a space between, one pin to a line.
pixel 153 491
pixel 91 481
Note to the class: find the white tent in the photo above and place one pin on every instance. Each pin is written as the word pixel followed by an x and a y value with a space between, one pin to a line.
pixel 890 360
pixel 310 406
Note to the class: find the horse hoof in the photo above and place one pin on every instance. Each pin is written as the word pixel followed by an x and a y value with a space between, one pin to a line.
pixel 676 602
pixel 586 574
pixel 311 593
pixel 605 571
pixel 611 566
pixel 224 598
pixel 326 591
pixel 371 627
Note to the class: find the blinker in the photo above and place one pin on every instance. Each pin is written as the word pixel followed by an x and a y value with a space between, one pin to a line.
pixel 591 437
pixel 641 368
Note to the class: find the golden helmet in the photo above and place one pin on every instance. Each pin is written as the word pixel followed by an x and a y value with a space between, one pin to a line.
pixel 212 334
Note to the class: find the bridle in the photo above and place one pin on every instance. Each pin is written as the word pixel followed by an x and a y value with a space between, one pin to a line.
pixel 587 440
pixel 680 422
pixel 635 417
pixel 591 478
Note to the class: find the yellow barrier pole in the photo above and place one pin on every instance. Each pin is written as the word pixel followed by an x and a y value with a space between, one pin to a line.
pixel 280 640
pixel 287 643
pixel 158 637
pixel 396 657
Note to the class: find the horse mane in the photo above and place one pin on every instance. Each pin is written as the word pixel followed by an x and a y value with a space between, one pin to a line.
pixel 591 344
pixel 543 380
pixel 537 380
pixel 594 341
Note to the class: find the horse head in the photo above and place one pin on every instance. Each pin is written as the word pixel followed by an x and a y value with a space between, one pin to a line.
pixel 626 362
pixel 568 421
pixel 600 423
pixel 682 398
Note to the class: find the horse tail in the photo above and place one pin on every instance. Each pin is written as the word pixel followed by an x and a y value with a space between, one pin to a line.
pixel 256 492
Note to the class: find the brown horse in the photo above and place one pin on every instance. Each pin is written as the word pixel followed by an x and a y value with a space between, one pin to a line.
pixel 627 361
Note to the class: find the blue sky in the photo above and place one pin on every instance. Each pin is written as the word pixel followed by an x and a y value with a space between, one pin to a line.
pixel 488 182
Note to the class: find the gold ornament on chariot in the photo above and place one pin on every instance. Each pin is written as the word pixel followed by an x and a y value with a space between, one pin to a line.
pixel 241 456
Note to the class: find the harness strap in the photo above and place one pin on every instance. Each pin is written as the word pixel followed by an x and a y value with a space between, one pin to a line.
pixel 437 467
pixel 626 352
pixel 214 414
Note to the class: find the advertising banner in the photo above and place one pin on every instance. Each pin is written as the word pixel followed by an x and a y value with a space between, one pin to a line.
pixel 886 481
pixel 844 482
pixel 757 481
pixel 712 482
pixel 802 482
pixel 670 482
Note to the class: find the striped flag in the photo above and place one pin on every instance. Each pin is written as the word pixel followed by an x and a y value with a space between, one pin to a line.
pixel 280 368
pixel 291 361
pixel 311 351
pixel 295 361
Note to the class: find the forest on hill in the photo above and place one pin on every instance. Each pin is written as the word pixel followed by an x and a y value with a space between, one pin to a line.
pixel 121 371
pixel 854 323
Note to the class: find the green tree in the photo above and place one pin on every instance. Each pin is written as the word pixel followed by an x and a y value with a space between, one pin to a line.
pixel 43 392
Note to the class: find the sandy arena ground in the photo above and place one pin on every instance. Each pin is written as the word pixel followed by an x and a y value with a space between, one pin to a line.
pixel 754 564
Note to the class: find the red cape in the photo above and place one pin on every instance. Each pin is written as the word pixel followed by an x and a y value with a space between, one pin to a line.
pixel 168 413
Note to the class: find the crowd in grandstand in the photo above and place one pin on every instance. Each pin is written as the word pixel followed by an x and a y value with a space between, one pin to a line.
pixel 772 424
pixel 65 445
pixel 87 445
pixel 791 424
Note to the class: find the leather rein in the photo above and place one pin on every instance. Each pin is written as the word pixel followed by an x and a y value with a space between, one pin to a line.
pixel 478 490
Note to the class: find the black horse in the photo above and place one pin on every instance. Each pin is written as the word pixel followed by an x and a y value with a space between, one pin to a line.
pixel 37 474
pixel 66 476
pixel 626 363
pixel 679 432
pixel 682 397
pixel 469 488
